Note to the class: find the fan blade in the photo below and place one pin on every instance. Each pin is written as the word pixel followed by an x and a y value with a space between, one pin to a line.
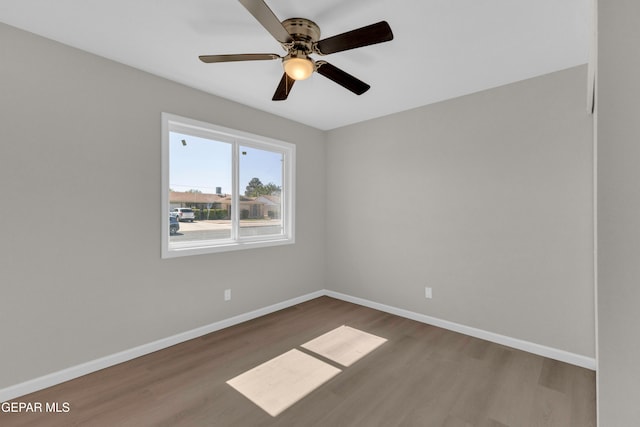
pixel 282 92
pixel 344 79
pixel 264 15
pixel 241 57
pixel 365 36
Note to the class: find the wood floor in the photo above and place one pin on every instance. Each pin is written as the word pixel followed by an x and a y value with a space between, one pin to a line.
pixel 422 376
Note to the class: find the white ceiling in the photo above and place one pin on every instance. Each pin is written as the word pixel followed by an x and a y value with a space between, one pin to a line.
pixel 442 48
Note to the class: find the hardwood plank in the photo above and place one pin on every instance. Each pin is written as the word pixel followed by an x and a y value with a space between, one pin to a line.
pixel 515 391
pixel 422 376
pixel 550 408
pixel 555 375
pixel 583 398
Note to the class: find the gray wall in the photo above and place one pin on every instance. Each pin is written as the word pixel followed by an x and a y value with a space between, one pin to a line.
pixel 618 213
pixel 80 185
pixel 487 198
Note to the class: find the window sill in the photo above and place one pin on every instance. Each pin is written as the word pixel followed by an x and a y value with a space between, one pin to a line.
pixel 210 247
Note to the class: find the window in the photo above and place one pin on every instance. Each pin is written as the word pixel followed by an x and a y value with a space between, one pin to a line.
pixel 227 189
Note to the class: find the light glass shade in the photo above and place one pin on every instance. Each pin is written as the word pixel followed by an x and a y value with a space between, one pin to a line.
pixel 298 68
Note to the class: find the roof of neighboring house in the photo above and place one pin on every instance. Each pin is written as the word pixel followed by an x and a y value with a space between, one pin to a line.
pixel 270 200
pixel 243 199
pixel 189 197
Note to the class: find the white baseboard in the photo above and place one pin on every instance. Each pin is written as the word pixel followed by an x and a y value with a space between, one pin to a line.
pixel 541 350
pixel 58 377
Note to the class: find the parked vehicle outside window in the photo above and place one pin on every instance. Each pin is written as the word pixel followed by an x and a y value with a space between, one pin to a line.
pixel 174 225
pixel 184 214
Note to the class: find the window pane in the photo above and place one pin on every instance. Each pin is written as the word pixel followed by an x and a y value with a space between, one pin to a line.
pixel 260 192
pixel 199 188
pixel 224 189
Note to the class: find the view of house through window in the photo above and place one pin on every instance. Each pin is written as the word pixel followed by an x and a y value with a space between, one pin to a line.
pixel 224 190
pixel 260 203
pixel 200 180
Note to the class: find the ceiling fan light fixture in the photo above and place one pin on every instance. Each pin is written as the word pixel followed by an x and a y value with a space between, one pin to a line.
pixel 298 68
pixel 300 37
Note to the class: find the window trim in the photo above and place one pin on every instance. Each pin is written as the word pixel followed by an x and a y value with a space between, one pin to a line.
pixel 175 123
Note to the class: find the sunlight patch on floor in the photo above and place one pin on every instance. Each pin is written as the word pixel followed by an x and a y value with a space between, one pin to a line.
pixel 282 381
pixel 344 345
pixel 279 383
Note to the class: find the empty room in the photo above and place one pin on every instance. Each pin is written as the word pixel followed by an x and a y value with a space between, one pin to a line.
pixel 280 213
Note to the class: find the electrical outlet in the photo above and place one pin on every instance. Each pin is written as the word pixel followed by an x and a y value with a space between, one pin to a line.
pixel 227 294
pixel 428 293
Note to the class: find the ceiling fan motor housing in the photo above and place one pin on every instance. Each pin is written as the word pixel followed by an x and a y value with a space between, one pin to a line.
pixel 304 33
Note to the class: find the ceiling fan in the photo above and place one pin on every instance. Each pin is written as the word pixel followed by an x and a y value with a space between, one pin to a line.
pixel 300 37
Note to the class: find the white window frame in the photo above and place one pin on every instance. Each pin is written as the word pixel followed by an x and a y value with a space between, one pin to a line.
pixel 175 123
